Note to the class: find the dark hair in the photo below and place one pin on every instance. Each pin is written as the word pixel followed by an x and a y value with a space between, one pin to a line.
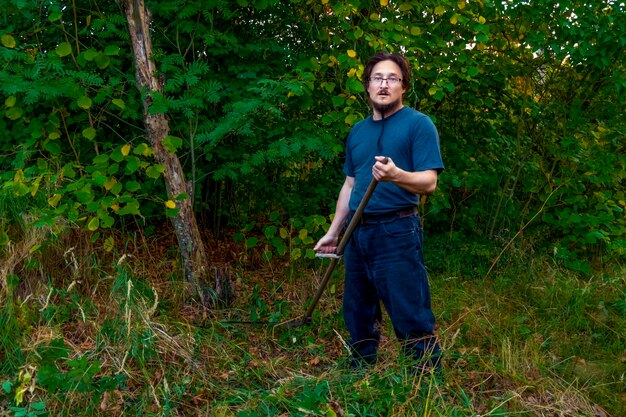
pixel 398 59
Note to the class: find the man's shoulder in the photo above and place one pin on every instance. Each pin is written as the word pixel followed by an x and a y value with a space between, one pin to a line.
pixel 361 124
pixel 368 119
pixel 418 120
pixel 414 114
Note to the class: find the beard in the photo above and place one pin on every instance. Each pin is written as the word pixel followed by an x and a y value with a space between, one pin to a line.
pixel 386 108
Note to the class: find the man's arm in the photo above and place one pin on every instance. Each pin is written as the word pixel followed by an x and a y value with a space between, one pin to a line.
pixel 328 243
pixel 420 182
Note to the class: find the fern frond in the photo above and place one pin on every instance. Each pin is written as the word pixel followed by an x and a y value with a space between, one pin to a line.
pixel 228 170
pixel 188 10
pixel 174 83
pixel 198 67
pixel 210 91
pixel 89 79
pixel 257 159
pixel 236 120
pixel 192 80
pixel 7 55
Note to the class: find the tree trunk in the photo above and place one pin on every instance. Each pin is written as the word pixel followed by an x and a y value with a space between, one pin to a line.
pixel 195 262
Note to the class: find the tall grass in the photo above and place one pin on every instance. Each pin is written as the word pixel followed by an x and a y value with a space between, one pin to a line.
pixel 116 334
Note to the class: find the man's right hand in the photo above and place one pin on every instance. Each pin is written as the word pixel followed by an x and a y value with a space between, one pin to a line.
pixel 327 244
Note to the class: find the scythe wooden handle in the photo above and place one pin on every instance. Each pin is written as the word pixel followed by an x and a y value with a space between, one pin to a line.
pixel 342 245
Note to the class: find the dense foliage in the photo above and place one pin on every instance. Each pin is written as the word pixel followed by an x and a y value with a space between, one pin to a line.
pixel 528 97
pixel 260 95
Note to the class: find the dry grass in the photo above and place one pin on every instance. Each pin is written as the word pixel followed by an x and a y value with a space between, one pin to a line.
pixel 133 317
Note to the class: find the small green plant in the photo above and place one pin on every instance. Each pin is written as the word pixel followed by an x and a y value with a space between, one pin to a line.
pixel 293 238
pixel 33 410
pixel 26 384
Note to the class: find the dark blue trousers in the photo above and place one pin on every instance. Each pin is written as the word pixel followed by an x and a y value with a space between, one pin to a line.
pixel 384 262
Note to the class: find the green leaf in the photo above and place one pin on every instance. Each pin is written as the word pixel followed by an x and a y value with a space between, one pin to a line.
pixel 53 147
pixel 106 221
pixel 6 386
pixel 355 85
pixel 90 54
pixel 99 178
pixel 102 61
pixel 89 133
pixel 172 143
pixel 14 113
pixel 338 101
pixel 270 231
pixel 68 171
pixel 132 186
pixel 172 212
pixel 352 119
pixel 109 244
pixel 141 149
pixel 8 41
pixel 117 188
pixel 131 207
pixel 132 164
pixel 63 49
pixel 38 406
pixel 296 254
pixel 155 171
pixel 84 102
pixel 54 200
pixel 54 16
pixel 4 238
pixel 328 86
pixel 251 242
pixel 93 224
pixel 84 195
pixel 116 154
pixel 119 103
pixel 112 50
pixel 113 168
pixel 103 158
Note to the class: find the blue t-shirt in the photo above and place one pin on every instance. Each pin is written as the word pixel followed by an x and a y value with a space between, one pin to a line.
pixel 409 138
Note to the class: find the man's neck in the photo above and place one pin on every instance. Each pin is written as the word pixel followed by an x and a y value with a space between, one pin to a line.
pixel 378 113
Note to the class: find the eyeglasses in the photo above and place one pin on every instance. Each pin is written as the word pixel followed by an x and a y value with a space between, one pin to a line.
pixel 390 80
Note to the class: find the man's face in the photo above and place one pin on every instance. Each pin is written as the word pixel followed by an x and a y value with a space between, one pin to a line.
pixel 386 97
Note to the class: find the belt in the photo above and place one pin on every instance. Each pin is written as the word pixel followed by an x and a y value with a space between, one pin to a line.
pixel 385 217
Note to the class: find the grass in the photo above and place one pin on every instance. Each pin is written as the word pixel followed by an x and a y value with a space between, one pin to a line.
pixel 87 332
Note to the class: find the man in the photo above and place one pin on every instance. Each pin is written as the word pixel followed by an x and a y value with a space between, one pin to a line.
pixel 383 259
